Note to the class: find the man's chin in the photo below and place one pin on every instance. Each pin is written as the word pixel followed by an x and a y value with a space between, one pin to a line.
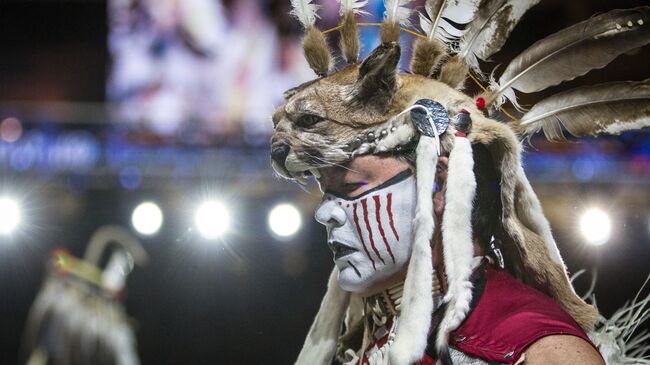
pixel 353 281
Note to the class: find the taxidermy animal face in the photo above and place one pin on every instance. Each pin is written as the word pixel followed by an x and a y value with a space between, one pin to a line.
pixel 327 121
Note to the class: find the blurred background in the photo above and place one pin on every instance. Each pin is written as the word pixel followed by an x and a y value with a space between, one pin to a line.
pixel 105 105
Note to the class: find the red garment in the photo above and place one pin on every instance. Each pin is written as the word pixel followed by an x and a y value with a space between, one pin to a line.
pixel 508 317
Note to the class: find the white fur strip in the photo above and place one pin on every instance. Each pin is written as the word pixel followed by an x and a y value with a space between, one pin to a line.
pixel 457 246
pixel 417 301
pixel 320 344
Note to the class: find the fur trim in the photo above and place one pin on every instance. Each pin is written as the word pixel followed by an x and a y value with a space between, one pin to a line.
pixel 530 250
pixel 417 302
pixel 317 52
pixel 427 54
pixel 390 32
pixel 454 73
pixel 457 245
pixel 320 344
pixel 352 337
pixel 350 38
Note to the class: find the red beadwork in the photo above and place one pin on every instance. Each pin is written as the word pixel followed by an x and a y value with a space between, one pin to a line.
pixel 480 103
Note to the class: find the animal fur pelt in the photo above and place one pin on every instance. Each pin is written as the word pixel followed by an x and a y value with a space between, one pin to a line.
pixel 574 51
pixel 427 57
pixel 349 43
pixel 489 30
pixel 454 73
pixel 317 53
pixel 315 47
pixel 591 110
pixel 350 31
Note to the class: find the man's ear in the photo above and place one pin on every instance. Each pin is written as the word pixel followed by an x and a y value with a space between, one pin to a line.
pixel 376 82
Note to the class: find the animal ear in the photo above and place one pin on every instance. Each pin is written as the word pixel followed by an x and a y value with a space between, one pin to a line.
pixel 376 82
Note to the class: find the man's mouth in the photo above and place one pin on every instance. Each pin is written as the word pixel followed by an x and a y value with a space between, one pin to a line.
pixel 341 250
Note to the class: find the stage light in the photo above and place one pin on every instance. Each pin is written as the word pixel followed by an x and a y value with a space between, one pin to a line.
pixel 284 220
pixel 9 215
pixel 10 130
pixel 147 218
pixel 212 219
pixel 595 226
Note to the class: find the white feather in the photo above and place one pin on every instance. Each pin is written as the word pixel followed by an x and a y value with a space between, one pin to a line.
pixel 354 6
pixel 488 32
pixel 397 11
pixel 305 11
pixel 440 26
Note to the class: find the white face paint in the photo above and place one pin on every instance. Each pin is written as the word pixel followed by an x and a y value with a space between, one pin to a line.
pixel 370 234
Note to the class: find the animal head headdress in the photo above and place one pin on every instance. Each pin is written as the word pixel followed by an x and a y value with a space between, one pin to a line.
pixel 368 107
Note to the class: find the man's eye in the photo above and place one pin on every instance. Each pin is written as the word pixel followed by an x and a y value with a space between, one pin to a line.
pixel 308 120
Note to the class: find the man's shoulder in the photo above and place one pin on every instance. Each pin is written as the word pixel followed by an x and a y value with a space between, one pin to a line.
pixel 562 349
pixel 508 317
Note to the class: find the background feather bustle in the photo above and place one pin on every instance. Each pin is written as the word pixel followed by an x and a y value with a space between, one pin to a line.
pixel 609 108
pixel 576 50
pixel 490 29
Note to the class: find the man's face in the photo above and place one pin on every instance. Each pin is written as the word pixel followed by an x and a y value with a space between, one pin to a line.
pixel 368 208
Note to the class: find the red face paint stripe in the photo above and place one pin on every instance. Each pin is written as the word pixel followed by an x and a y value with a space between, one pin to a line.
pixel 364 204
pixel 356 222
pixel 389 204
pixel 381 229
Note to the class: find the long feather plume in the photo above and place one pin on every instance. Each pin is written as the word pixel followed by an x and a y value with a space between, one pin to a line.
pixel 354 6
pixel 305 11
pixel 574 51
pixel 610 108
pixel 445 20
pixel 489 30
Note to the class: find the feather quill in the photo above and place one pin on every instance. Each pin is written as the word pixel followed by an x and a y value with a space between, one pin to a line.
pixel 489 30
pixel 575 50
pixel 609 108
pixel 354 6
pixel 305 11
pixel 445 20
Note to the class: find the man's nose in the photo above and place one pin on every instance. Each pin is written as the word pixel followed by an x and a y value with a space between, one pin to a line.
pixel 330 215
pixel 279 153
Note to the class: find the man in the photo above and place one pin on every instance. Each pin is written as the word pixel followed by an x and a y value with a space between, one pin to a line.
pixel 371 174
pixel 418 276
